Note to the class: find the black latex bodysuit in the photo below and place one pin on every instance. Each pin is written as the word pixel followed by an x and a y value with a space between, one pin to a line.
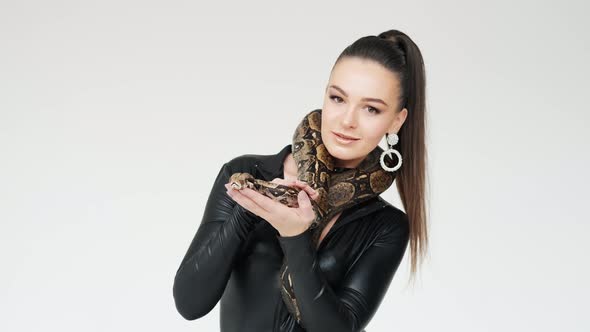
pixel 235 258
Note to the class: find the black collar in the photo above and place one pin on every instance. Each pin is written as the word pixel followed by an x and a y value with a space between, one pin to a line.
pixel 271 166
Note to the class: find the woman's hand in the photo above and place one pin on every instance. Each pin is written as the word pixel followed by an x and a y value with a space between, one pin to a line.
pixel 287 221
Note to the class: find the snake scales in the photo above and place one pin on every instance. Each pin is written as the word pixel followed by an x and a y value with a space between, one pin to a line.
pixel 338 188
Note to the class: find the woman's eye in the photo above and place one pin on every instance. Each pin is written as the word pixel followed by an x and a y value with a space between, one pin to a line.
pixel 373 108
pixel 332 97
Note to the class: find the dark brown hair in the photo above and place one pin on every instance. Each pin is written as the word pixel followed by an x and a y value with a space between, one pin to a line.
pixel 395 51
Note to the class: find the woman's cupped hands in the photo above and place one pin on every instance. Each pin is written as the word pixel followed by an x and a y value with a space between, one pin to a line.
pixel 286 220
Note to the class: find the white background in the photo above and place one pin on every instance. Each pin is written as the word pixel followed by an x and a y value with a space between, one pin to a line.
pixel 115 117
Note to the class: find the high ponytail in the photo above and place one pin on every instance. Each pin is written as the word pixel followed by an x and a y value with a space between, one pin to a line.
pixel 395 51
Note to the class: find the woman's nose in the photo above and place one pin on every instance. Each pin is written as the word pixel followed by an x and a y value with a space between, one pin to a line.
pixel 349 119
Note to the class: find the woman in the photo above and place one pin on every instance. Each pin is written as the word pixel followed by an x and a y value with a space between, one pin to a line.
pixel 258 257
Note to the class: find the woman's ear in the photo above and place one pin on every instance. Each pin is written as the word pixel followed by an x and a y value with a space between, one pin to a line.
pixel 398 121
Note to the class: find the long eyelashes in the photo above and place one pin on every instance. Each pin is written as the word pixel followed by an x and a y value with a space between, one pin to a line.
pixel 371 109
pixel 332 97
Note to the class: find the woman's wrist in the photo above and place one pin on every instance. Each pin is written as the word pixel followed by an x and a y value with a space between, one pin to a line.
pixel 293 233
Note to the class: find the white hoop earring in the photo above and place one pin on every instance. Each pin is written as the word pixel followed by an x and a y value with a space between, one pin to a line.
pixel 391 140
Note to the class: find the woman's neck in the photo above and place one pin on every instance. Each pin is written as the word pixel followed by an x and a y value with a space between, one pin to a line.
pixel 289 168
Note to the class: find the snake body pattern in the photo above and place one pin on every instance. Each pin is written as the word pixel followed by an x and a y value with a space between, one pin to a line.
pixel 338 188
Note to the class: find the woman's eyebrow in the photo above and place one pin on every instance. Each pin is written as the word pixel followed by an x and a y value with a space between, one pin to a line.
pixel 364 99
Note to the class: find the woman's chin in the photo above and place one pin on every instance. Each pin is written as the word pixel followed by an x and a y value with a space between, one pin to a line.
pixel 341 152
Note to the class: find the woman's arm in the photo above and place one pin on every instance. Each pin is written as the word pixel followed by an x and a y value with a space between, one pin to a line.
pixel 350 307
pixel 206 267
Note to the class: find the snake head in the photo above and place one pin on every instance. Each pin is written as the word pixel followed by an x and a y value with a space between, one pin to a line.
pixel 241 180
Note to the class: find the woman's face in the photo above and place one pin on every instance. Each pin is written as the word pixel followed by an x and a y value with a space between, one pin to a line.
pixel 361 102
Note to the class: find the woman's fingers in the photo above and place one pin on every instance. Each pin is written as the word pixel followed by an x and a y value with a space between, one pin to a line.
pixel 313 194
pixel 281 181
pixel 308 189
pixel 246 199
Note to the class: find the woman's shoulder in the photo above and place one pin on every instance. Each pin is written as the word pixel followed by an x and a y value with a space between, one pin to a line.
pixel 391 219
pixel 263 165
pixel 244 160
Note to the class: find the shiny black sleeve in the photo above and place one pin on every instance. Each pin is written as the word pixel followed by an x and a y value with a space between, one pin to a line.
pixel 351 306
pixel 206 267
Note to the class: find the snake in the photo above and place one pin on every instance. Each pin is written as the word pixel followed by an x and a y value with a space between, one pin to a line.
pixel 285 195
pixel 338 188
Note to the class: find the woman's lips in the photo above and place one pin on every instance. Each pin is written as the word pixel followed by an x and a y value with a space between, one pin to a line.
pixel 344 136
pixel 343 139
